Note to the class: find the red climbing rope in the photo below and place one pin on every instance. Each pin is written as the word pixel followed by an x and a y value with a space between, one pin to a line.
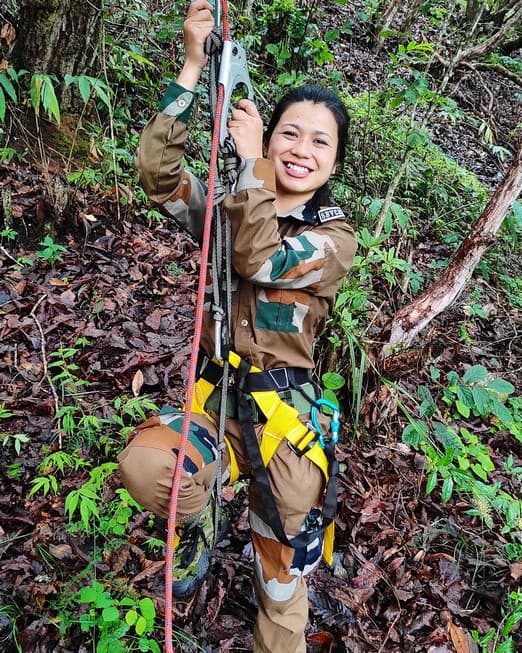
pixel 205 248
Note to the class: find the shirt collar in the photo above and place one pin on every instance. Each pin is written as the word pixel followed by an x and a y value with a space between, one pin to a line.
pixel 303 213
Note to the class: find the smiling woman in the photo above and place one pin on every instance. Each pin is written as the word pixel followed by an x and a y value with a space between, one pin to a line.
pixel 290 250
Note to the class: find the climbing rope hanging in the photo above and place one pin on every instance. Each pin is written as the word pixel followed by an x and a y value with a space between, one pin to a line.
pixel 229 59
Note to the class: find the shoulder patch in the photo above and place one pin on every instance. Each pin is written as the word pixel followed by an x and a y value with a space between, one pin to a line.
pixel 330 213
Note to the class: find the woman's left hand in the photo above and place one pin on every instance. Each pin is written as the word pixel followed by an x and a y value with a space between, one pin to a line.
pixel 246 128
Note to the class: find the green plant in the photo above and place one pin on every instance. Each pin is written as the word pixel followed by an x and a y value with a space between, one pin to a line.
pixel 117 625
pixel 9 233
pixel 454 454
pixel 14 439
pixel 43 95
pixel 51 251
pixel 88 498
pixel 7 78
pixel 11 613
pixel 91 86
pixel 58 461
pixel 500 640
pixel 118 513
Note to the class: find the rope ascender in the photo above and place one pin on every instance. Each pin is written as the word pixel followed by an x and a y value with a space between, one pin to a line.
pixel 228 70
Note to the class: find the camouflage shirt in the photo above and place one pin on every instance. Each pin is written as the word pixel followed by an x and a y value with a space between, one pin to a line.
pixel 288 267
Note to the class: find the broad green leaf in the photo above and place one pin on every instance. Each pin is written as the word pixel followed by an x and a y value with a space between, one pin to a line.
pixel 447 489
pixel 480 471
pixel 331 35
pixel 485 461
pixel 131 617
pixel 448 437
pixel 414 434
pixel 481 399
pixel 501 386
pixel 35 93
pixel 110 614
pixel 100 92
pixel 141 625
pixel 333 381
pixel 8 86
pixel 84 86
pixel 147 608
pixel 463 409
pixel 431 483
pixel 88 595
pixel 499 410
pixel 50 101
pixel 464 394
pixel 475 373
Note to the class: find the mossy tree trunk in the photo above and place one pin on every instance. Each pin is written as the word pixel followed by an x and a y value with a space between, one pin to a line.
pixel 59 37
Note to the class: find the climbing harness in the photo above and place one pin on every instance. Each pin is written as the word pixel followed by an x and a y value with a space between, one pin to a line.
pixel 281 423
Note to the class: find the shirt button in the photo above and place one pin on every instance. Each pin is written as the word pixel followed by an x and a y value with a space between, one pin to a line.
pixel 244 322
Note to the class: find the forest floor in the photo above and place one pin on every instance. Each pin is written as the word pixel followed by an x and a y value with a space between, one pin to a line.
pixel 411 574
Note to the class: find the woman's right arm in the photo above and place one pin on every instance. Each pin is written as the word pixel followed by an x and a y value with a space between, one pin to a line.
pixel 162 144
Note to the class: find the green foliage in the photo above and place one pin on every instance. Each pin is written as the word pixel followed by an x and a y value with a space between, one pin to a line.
pixel 8 233
pixel 57 462
pixel 501 640
pixel 51 252
pixel 117 625
pixel 14 440
pixel 7 88
pixel 43 95
pixel 455 455
pixel 88 499
pixel 91 87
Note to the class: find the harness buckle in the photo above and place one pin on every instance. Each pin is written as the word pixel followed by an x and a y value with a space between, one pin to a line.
pixel 301 452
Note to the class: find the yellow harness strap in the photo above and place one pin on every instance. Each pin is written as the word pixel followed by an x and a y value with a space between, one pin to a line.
pixel 282 423
pixel 202 391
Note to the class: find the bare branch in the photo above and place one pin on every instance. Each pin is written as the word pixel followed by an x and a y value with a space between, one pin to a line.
pixel 411 319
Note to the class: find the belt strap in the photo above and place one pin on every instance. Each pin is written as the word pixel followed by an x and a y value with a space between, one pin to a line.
pixel 279 378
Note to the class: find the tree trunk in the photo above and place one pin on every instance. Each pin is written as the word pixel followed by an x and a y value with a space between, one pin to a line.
pixel 411 319
pixel 472 9
pixel 59 37
pixel 476 52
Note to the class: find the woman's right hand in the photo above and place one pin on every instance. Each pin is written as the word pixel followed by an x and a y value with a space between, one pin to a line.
pixel 196 29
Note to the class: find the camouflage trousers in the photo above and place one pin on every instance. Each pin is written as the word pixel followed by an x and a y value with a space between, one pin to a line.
pixel 147 467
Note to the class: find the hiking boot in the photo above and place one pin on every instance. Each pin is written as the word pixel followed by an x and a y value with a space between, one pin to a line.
pixel 194 542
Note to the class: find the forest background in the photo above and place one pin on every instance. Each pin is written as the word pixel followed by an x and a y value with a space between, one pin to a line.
pixel 422 353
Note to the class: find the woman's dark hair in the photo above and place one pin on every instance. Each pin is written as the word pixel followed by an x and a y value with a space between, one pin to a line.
pixel 318 95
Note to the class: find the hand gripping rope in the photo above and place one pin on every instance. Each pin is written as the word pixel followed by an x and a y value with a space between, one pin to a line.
pixel 231 61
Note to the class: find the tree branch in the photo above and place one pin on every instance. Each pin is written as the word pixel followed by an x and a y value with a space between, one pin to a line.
pixel 411 319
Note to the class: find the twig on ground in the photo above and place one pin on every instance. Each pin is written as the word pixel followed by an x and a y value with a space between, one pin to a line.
pixel 44 360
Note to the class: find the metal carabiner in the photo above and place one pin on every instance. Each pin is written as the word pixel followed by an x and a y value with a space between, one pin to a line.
pixel 334 423
pixel 233 72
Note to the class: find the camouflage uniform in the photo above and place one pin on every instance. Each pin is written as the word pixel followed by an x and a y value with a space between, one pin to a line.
pixel 288 269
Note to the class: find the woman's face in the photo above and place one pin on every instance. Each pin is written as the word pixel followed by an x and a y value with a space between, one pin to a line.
pixel 303 148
